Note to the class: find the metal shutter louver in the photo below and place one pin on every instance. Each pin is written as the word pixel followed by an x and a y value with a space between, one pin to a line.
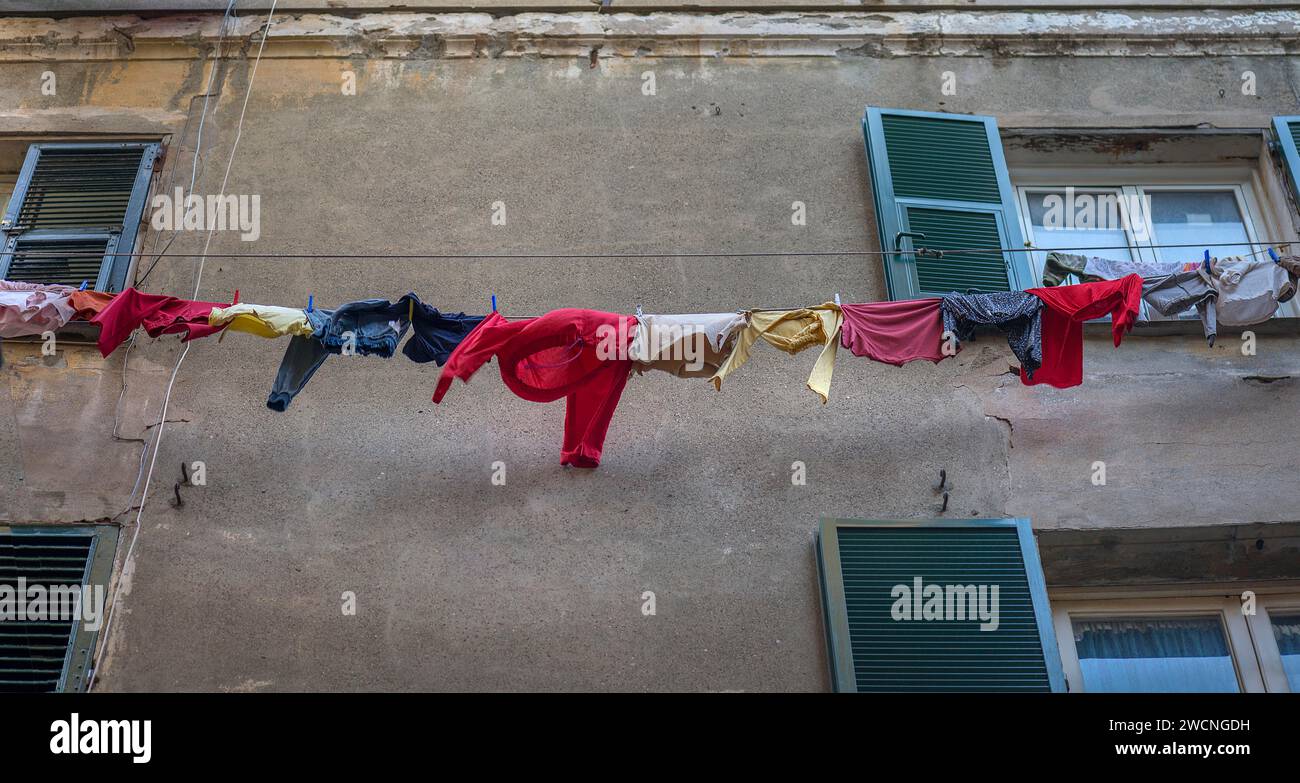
pixel 80 188
pixel 52 654
pixel 85 200
pixel 862 562
pixel 935 157
pixel 943 176
pixel 961 272
pixel 36 262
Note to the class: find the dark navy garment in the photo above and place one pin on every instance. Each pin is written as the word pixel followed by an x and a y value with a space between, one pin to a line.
pixel 372 327
pixel 302 359
pixel 435 335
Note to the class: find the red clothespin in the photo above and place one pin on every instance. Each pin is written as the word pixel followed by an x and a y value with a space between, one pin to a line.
pixel 236 300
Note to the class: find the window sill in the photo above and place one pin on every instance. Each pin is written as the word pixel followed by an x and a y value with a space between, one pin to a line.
pixel 1287 327
pixel 74 333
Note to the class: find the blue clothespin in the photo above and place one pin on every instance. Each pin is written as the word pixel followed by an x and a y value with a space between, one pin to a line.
pixel 309 303
pixel 1207 262
pixel 84 283
pixel 1272 255
pixel 494 303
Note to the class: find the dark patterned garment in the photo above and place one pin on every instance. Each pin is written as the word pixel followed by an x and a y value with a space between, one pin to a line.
pixel 1014 312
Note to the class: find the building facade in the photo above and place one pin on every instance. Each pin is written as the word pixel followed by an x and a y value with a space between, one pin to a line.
pixel 676 159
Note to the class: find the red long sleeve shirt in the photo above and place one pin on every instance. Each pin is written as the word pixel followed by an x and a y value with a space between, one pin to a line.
pixel 1065 309
pixel 157 314
pixel 580 355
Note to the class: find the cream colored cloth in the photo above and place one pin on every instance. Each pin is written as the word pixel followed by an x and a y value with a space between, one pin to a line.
pixel 1250 289
pixel 261 320
pixel 792 331
pixel 688 346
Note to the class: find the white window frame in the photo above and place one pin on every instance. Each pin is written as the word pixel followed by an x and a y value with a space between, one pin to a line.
pixel 1236 634
pixel 1261 629
pixel 1037 257
pixel 1250 637
pixel 7 182
pixel 1242 181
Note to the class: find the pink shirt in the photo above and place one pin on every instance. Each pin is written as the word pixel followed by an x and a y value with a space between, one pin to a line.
pixel 894 332
pixel 33 308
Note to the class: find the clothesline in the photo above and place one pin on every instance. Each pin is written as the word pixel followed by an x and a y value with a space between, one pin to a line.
pixel 586 356
pixel 719 254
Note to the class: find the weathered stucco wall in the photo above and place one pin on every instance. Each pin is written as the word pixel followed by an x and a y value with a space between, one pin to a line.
pixel 365 486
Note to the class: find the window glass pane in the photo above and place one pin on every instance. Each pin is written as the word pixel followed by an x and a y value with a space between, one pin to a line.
pixel 1287 630
pixel 1155 655
pixel 1078 218
pixel 1190 217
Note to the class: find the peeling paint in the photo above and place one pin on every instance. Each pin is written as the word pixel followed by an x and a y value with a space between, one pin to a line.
pixel 457 35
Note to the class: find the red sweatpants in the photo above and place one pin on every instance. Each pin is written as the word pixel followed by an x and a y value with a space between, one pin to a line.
pixel 580 355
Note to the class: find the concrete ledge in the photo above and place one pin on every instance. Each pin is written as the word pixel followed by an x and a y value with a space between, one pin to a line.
pixel 1172 33
pixel 95 7
pixel 1283 327
pixel 1246 555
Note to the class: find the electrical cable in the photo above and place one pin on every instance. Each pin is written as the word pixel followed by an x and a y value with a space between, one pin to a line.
pixel 727 254
pixel 162 419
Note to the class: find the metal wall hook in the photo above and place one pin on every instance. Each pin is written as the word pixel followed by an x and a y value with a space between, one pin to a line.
pixel 898 239
pixel 176 488
pixel 943 484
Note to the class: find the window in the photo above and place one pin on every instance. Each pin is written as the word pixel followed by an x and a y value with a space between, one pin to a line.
pixel 1187 216
pixel 1138 222
pixel 42 650
pixel 1154 655
pixel 940 182
pixel 1275 627
pixel 74 213
pixel 942 192
pixel 939 606
pixel 1170 645
pixel 1044 229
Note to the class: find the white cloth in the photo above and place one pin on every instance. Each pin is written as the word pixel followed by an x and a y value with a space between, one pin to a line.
pixel 32 308
pixel 664 337
pixel 1250 289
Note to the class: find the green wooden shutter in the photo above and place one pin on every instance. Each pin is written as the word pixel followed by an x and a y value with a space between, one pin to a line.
pixel 863 562
pixel 75 212
pixel 51 654
pixel 1287 130
pixel 943 176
